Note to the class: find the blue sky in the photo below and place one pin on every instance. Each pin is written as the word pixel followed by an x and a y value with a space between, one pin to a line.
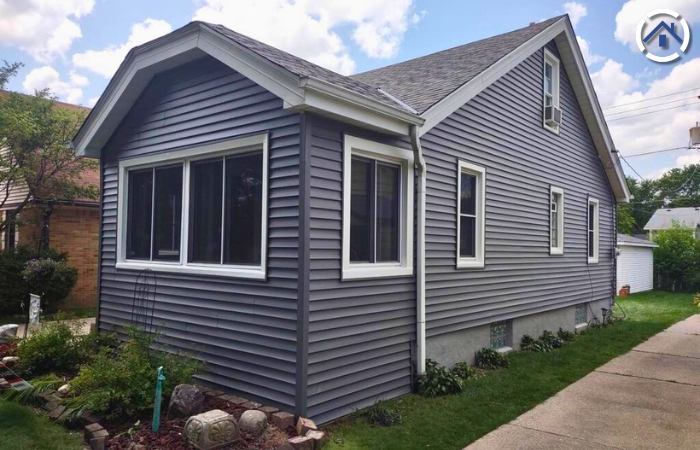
pixel 73 47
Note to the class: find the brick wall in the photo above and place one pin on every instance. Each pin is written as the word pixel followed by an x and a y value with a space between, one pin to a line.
pixel 72 229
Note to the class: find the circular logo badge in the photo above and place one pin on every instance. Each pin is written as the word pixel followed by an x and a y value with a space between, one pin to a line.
pixel 664 33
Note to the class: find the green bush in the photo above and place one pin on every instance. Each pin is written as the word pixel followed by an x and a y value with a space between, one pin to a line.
pixel 566 336
pixel 15 289
pixel 120 382
pixel 488 358
pixel 380 414
pixel 51 279
pixel 58 347
pixel 438 381
pixel 546 343
pixel 677 259
pixel 464 371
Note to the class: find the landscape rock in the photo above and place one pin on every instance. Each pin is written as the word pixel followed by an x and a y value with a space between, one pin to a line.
pixel 301 443
pixel 98 443
pixel 319 438
pixel 251 405
pixel 253 422
pixel 238 401
pixel 185 401
pixel 282 420
pixel 56 412
pixel 10 361
pixel 304 425
pixel 8 332
pixel 64 390
pixel 94 431
pixel 269 411
pixel 285 446
pixel 212 429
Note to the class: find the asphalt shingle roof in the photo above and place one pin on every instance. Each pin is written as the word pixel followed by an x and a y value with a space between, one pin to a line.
pixel 304 68
pixel 665 217
pixel 424 81
pixel 625 239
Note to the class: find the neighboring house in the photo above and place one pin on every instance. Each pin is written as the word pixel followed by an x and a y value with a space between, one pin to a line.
pixel 316 237
pixel 635 263
pixel 67 226
pixel 665 218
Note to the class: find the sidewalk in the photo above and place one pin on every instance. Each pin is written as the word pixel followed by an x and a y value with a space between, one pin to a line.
pixel 648 398
pixel 85 325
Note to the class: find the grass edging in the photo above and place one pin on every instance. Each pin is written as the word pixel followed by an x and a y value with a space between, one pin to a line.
pixel 453 422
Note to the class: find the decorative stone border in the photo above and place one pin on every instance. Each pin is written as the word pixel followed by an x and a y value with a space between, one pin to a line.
pixel 309 437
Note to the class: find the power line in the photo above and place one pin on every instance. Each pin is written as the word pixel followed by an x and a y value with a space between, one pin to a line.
pixel 630 166
pixel 647 113
pixel 651 98
pixel 653 106
pixel 659 151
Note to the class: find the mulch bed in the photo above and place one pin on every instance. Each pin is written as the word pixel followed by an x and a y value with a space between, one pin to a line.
pixel 8 350
pixel 170 435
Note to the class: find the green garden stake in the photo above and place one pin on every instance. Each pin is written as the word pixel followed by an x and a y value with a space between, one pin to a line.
pixel 159 394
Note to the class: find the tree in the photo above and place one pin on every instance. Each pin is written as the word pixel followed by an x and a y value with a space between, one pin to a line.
pixel 34 149
pixel 644 202
pixel 677 259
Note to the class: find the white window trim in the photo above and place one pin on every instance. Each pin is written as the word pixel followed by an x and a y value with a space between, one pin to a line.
pixel 596 230
pixel 559 249
pixel 185 156
pixel 380 152
pixel 556 69
pixel 476 262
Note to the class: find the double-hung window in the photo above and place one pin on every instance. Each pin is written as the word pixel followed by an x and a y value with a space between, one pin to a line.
pixel 550 88
pixel 471 200
pixel 199 210
pixel 556 221
pixel 377 211
pixel 593 230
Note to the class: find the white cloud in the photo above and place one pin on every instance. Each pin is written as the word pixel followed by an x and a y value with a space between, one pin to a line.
pixel 43 28
pixel 576 11
pixel 106 61
pixel 656 130
pixel 635 10
pixel 91 101
pixel 308 28
pixel 47 77
pixel 590 58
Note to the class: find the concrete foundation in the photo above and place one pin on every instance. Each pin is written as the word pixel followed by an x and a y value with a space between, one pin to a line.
pixel 450 348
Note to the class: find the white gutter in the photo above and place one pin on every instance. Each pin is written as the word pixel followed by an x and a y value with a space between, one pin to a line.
pixel 420 251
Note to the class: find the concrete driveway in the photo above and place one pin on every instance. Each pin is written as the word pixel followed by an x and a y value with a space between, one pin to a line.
pixel 646 399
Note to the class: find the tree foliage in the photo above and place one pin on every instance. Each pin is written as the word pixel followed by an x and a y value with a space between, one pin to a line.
pixel 34 153
pixel 677 259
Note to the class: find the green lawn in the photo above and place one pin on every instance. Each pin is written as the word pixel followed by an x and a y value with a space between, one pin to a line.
pixel 453 422
pixel 22 428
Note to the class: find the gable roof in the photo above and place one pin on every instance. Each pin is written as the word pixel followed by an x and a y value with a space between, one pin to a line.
pixel 631 241
pixel 420 92
pixel 665 217
pixel 424 81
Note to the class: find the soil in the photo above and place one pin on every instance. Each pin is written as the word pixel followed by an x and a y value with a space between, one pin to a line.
pixel 170 435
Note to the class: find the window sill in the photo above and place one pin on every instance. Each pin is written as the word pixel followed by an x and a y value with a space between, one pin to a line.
pixel 469 264
pixel 253 273
pixel 556 251
pixel 580 327
pixel 592 260
pixel 504 350
pixel 375 271
pixel 553 129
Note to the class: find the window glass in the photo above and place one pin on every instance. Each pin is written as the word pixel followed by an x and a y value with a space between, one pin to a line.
pixel 167 220
pixel 360 210
pixel 388 179
pixel 554 220
pixel 591 229
pixel 140 201
pixel 243 209
pixel 467 238
pixel 206 186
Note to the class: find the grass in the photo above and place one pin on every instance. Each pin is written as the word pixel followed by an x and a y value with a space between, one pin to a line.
pixel 22 428
pixel 453 422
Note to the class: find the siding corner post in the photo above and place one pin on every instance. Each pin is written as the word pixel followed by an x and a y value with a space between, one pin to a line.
pixel 302 365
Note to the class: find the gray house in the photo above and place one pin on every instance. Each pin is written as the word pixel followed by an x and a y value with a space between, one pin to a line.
pixel 665 218
pixel 316 237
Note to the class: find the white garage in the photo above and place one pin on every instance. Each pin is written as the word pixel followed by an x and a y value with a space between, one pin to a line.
pixel 635 264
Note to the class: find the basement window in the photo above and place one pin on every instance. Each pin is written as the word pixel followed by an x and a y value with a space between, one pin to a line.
pixel 502 335
pixel 581 314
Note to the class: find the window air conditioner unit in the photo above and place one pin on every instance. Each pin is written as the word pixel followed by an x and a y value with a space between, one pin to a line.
pixel 552 115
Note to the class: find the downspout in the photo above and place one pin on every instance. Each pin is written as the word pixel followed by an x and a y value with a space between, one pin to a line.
pixel 420 251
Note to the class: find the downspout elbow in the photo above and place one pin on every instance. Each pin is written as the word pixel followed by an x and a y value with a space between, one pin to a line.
pixel 420 249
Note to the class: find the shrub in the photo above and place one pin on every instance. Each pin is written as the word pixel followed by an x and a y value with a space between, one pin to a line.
pixel 380 414
pixel 677 259
pixel 51 279
pixel 15 288
pixel 55 347
pixel 488 358
pixel 546 343
pixel 464 371
pixel 121 382
pixel 550 340
pixel 566 336
pixel 438 381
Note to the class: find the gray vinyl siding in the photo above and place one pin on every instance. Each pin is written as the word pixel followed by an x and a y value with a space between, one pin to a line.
pixel 360 331
pixel 246 330
pixel 501 129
